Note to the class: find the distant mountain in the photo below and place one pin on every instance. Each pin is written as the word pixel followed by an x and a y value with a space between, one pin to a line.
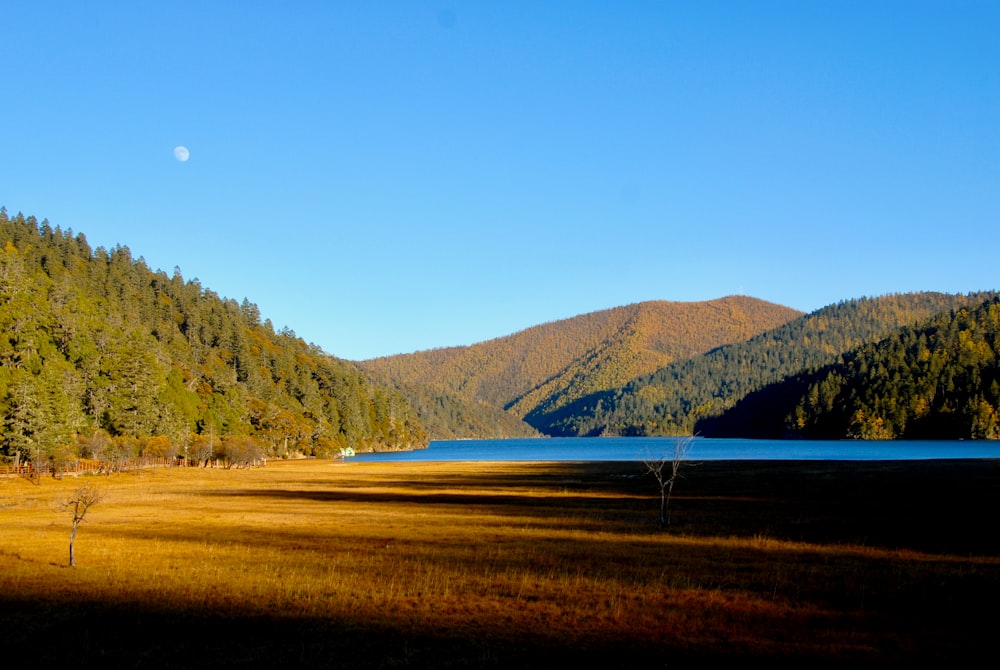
pixel 681 397
pixel 539 370
pixel 101 355
pixel 937 380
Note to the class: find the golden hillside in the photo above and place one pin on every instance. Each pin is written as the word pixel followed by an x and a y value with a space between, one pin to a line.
pixel 556 362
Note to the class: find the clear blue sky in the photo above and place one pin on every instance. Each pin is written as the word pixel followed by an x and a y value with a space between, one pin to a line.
pixel 384 177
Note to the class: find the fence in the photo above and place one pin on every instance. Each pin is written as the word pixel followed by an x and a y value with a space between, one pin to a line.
pixel 83 465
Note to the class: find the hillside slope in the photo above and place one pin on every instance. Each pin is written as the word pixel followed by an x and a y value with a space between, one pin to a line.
pixel 937 380
pixel 674 398
pixel 552 364
pixel 100 353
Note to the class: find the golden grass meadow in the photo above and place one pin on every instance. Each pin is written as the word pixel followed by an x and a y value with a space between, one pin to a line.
pixel 353 564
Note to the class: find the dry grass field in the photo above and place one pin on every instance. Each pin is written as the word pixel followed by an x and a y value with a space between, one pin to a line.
pixel 327 564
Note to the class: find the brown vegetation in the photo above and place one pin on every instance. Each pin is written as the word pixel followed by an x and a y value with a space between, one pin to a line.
pixel 320 564
pixel 555 363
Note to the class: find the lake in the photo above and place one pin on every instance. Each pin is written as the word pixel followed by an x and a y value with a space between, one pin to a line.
pixel 701 449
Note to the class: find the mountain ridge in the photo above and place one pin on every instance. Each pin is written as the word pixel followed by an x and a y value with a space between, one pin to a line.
pixel 557 361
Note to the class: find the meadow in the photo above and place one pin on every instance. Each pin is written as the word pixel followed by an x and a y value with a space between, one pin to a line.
pixel 347 564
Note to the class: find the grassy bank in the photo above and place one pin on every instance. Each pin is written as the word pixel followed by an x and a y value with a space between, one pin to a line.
pixel 321 564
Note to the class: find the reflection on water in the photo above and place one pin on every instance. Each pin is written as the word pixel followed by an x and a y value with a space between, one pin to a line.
pixel 702 449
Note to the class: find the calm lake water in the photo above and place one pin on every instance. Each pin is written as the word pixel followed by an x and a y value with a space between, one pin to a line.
pixel 701 449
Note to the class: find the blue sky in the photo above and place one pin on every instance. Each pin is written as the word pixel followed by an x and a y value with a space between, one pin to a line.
pixel 384 177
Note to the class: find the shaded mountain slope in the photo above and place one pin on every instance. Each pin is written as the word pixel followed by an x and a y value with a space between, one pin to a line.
pixel 448 416
pixel 937 380
pixel 674 398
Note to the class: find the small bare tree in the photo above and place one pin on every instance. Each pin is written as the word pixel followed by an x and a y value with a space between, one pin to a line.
pixel 77 503
pixel 666 468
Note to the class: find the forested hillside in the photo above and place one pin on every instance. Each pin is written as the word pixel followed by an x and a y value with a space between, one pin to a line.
pixel 449 416
pixel 546 367
pixel 101 354
pixel 675 398
pixel 940 380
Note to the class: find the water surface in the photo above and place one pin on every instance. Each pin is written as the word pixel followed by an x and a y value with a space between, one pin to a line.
pixel 700 449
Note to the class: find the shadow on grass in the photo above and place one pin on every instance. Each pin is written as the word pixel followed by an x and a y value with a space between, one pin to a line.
pixel 932 506
pixel 124 634
pixel 935 506
pixel 128 633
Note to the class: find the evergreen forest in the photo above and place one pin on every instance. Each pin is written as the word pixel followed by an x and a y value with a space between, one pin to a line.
pixel 103 358
pixel 937 380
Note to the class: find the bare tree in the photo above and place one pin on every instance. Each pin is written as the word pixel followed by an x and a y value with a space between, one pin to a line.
pixel 666 468
pixel 82 499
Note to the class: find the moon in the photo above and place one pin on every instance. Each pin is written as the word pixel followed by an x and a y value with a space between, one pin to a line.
pixel 181 153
